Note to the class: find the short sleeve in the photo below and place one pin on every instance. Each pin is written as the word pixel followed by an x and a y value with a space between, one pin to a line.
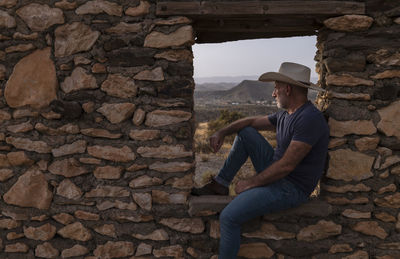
pixel 273 118
pixel 309 129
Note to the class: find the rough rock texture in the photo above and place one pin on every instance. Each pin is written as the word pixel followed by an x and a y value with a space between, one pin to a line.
pixel 33 81
pixel 40 17
pixel 181 36
pixel 117 113
pixel 73 38
pixel 123 154
pixel 119 86
pixel 100 6
pixel 114 249
pixel 160 118
pixel 255 250
pixel 348 165
pixel 321 230
pixel 387 124
pixel 31 190
pixel 349 23
pixel 75 231
pixel 43 233
pixel 342 128
pixel 78 80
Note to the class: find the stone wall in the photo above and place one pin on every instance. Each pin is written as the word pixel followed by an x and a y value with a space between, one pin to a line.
pixel 97 130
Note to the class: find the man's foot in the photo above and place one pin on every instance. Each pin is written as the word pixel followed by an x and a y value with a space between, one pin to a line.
pixel 212 188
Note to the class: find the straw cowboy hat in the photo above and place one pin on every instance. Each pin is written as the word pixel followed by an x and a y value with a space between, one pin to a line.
pixel 291 73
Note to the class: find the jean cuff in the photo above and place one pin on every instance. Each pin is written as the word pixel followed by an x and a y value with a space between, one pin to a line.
pixel 222 181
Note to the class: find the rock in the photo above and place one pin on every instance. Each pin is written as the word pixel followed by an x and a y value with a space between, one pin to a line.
pixel 43 233
pixel 142 9
pixel 156 74
pixel 348 165
pixel 20 48
pixel 100 133
pixel 19 158
pixel 349 23
pixel 143 200
pixel 7 20
pixel 68 168
pixel 160 118
pixel 73 38
pixel 108 172
pixel 40 17
pixel 367 143
pixel 69 149
pixel 106 230
pixel 166 151
pixel 354 214
pixel 180 37
pixel 9 224
pixel 78 80
pixel 4 161
pixel 390 201
pixel 22 113
pixel 143 249
pixel 138 117
pixel 123 154
pixel 119 86
pixel 269 231
pixel 190 225
pixel 345 201
pixel 162 197
pixel 114 249
pixel 69 190
pixel 346 188
pixel 16 248
pixel 8 3
pixel 156 235
pixel 323 229
pixel 175 251
pixel 29 145
pixel 385 217
pixel 76 250
pixel 64 218
pixel 389 246
pixel 353 62
pixel 342 128
pixel 387 125
pixel 117 112
pixel 99 6
pixel 30 190
pixel 347 80
pixel 350 96
pixel 389 188
pixel 371 228
pixel 124 28
pixel 21 36
pixel 185 183
pixel 384 57
pixel 143 135
pixel 173 21
pixel 4 116
pixel 107 191
pixel 171 167
pixel 75 231
pixel 145 181
pixel 6 174
pixel 340 248
pixel 85 215
pixel 117 204
pixel 357 255
pixel 387 74
pixel 33 81
pixel 389 161
pixel 20 128
pixel 46 250
pixel 176 55
pixel 255 250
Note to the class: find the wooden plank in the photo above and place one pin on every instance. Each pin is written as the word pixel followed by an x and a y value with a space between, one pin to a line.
pixel 245 8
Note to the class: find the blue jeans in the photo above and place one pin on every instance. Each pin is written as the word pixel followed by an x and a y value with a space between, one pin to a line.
pixel 254 202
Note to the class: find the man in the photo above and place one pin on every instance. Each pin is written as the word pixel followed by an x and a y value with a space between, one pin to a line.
pixel 285 176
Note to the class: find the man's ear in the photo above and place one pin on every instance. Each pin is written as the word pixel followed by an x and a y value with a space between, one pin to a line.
pixel 289 89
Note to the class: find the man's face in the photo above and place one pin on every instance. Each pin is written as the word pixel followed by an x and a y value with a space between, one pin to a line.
pixel 280 96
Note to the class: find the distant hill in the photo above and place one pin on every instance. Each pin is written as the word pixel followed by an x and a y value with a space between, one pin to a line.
pixel 214 86
pixel 224 79
pixel 248 91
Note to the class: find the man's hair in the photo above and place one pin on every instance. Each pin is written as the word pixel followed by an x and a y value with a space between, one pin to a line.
pixel 299 89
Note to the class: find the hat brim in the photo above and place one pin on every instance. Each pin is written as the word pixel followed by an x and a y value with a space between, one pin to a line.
pixel 275 76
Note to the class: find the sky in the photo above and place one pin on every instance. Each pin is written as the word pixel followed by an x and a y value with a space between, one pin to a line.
pixel 252 57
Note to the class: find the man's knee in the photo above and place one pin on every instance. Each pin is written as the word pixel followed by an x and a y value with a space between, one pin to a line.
pixel 247 131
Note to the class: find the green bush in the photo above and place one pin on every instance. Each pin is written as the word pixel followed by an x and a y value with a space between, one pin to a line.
pixel 226 117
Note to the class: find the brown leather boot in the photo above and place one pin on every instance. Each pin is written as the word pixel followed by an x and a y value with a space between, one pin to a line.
pixel 212 188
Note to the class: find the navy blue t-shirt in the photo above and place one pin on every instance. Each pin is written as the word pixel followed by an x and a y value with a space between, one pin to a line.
pixel 306 124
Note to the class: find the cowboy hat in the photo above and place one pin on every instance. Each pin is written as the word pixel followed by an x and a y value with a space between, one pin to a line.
pixel 293 74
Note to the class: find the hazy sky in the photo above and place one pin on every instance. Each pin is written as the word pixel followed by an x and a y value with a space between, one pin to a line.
pixel 252 57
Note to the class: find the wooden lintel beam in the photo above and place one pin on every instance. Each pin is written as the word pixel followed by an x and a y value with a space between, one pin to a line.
pixel 211 37
pixel 244 8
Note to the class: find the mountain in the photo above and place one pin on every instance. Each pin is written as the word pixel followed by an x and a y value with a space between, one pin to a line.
pixel 214 86
pixel 224 79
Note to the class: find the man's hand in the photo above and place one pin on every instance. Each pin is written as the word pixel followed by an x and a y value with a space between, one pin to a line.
pixel 243 185
pixel 216 141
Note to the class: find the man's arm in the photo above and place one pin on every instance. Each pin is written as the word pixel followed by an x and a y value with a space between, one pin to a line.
pixel 296 151
pixel 257 122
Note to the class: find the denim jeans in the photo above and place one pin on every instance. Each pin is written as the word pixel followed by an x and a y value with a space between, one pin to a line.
pixel 254 202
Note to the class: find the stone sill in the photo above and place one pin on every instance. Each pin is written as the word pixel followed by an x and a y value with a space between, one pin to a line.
pixel 203 205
